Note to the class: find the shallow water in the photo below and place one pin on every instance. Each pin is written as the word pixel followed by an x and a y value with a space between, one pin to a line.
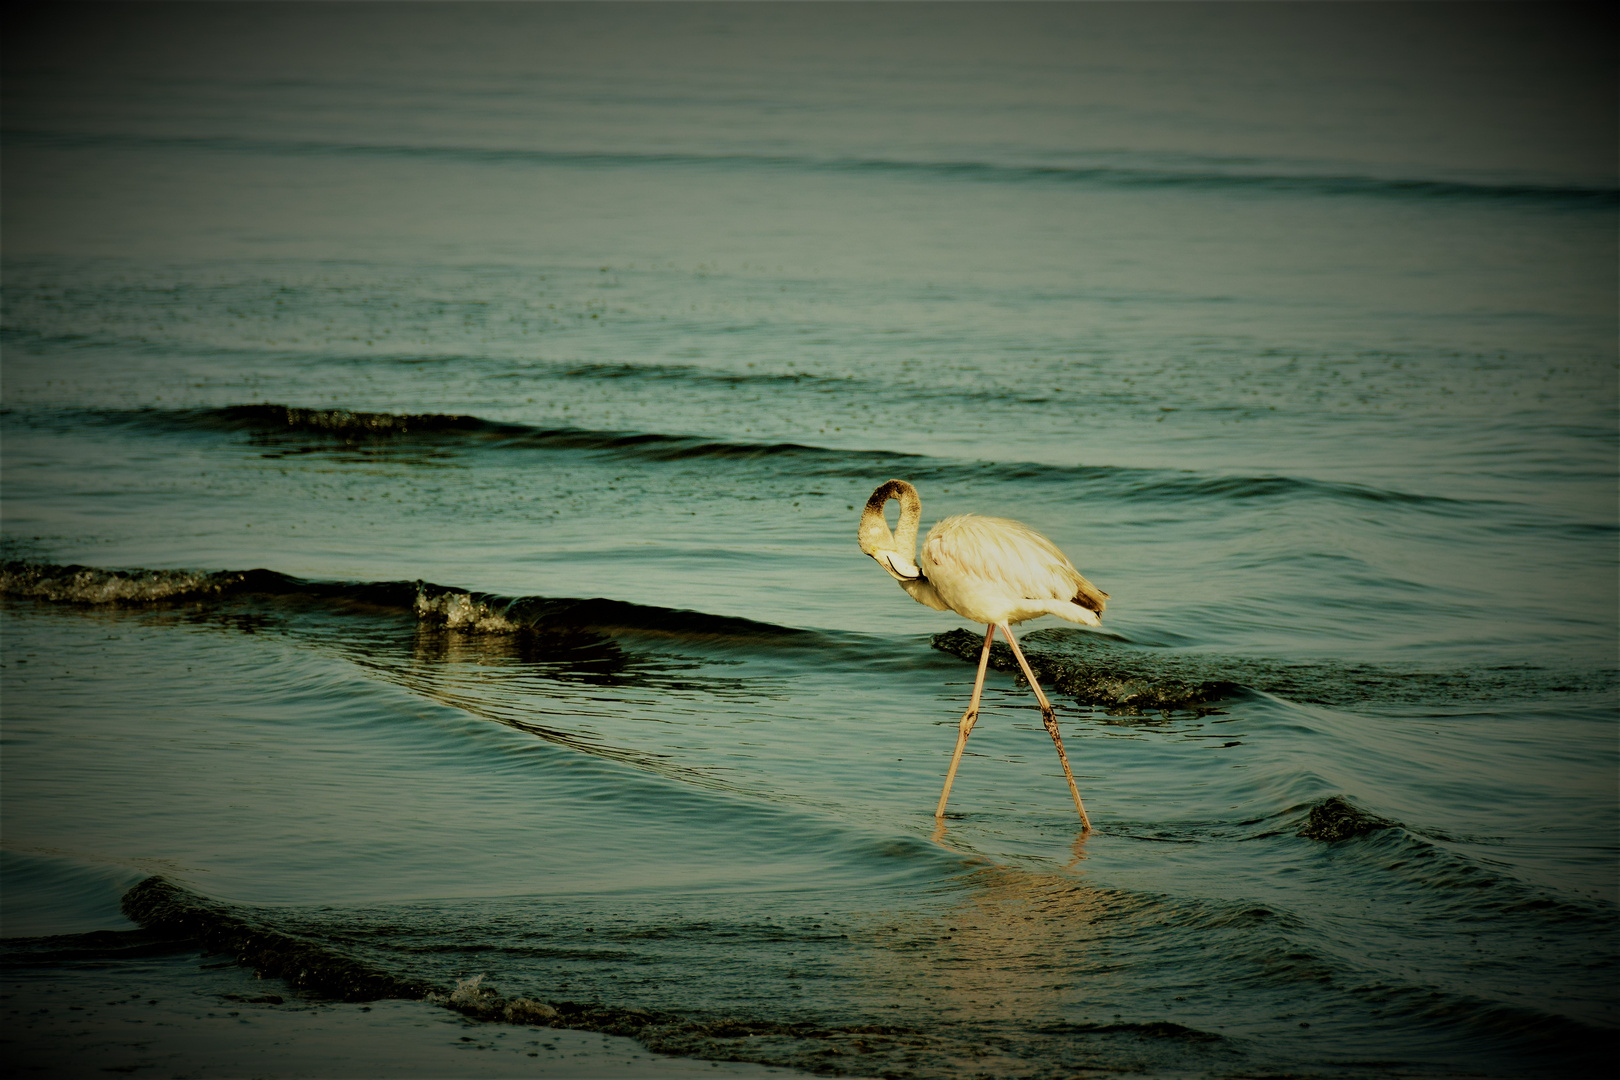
pixel 537 361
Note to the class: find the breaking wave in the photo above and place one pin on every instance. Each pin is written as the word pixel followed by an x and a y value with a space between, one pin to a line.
pixel 437 606
pixel 1116 676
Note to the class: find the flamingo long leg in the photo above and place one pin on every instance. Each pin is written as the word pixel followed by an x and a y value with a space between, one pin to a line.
pixel 969 718
pixel 1049 718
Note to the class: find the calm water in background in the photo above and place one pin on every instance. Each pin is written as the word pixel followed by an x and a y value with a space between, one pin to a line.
pixel 1294 327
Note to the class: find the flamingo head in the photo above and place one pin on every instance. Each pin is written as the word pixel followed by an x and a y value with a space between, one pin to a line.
pixel 894 551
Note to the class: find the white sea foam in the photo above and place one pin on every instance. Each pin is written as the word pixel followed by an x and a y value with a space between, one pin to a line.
pixel 471 992
pixel 84 585
pixel 460 611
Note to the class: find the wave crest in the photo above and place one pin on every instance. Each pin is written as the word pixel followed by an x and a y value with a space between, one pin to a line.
pixel 460 611
pixel 88 585
pixel 568 620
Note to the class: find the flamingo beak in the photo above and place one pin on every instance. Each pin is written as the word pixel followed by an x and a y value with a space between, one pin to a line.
pixel 898 568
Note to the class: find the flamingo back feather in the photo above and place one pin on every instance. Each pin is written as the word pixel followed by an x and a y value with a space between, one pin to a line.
pixel 1007 554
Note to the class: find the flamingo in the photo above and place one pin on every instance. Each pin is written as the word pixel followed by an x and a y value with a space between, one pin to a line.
pixel 993 571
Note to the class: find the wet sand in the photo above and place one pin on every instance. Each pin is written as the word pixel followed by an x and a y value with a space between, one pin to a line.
pixel 189 1014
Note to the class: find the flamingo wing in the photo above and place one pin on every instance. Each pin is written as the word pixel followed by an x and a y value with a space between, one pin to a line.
pixel 1008 555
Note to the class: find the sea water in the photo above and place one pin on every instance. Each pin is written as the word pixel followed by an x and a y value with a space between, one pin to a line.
pixel 434 439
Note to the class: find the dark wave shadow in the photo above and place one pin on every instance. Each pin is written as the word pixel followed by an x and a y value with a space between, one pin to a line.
pixel 1128 679
pixel 1226 175
pixel 279 430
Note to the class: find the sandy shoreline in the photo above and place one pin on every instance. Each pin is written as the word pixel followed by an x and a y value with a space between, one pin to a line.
pixel 190 1014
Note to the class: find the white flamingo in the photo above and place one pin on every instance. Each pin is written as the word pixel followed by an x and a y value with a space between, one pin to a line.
pixel 991 570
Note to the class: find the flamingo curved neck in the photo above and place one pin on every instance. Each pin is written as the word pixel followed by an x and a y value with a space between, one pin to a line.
pixel 874 534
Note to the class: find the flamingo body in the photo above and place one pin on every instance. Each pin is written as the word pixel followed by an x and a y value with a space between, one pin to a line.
pixel 994 570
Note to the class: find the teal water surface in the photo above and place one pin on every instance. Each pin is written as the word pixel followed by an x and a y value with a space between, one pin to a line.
pixel 433 444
